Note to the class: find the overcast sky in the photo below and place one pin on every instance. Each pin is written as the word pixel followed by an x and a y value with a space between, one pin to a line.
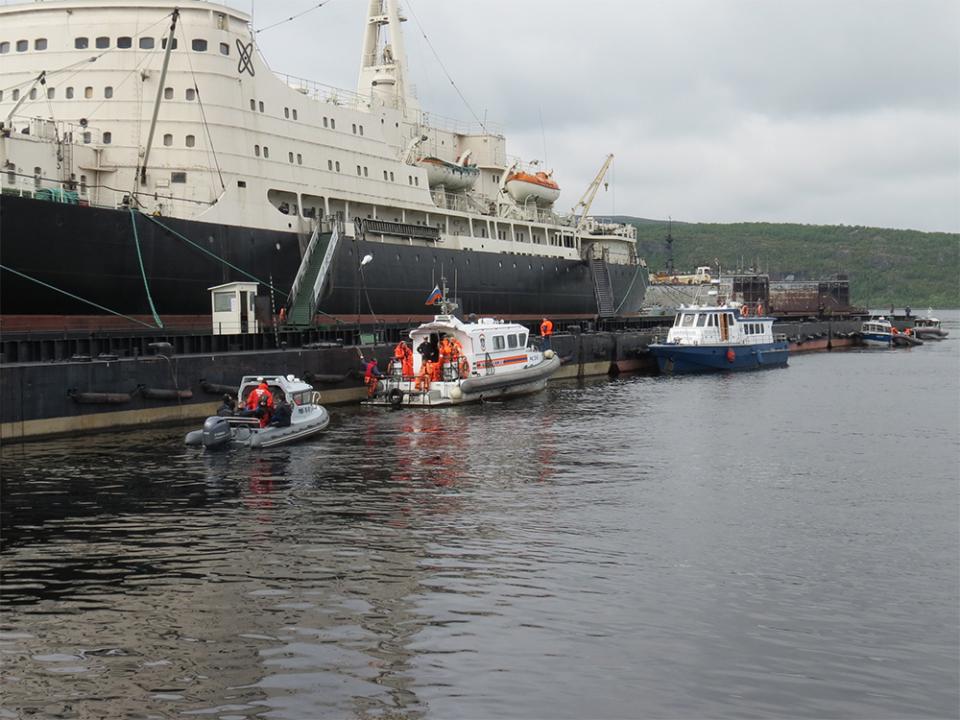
pixel 806 111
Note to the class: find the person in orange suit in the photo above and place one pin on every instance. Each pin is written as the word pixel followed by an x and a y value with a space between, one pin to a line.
pixel 546 331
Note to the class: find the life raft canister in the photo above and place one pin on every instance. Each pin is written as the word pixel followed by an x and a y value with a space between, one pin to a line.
pixel 731 356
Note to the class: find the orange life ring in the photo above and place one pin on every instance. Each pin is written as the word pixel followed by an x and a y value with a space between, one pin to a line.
pixel 744 311
pixel 759 310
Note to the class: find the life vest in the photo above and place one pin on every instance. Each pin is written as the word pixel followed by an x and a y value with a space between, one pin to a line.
pixel 546 328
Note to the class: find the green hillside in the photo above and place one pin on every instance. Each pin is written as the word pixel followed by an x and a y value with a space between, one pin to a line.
pixel 886 267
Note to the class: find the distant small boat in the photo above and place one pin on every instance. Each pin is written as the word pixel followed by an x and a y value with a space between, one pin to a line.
pixel 877 332
pixel 449 176
pixel 308 417
pixel 538 187
pixel 929 328
pixel 708 338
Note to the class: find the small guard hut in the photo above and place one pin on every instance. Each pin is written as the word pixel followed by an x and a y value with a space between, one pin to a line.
pixel 233 308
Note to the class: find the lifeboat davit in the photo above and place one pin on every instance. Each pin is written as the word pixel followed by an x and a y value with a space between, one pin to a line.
pixel 539 187
pixel 448 175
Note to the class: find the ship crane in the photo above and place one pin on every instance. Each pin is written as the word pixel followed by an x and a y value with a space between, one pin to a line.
pixel 586 202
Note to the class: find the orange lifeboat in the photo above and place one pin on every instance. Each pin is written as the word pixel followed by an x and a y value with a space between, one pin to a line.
pixel 537 187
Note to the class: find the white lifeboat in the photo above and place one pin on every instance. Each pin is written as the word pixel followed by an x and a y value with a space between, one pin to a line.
pixel 449 176
pixel 538 187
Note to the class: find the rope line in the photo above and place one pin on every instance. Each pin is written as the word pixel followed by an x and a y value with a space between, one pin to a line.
pixel 213 255
pixel 56 289
pixel 143 271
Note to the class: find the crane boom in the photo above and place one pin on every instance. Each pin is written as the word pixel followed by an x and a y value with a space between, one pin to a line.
pixel 585 202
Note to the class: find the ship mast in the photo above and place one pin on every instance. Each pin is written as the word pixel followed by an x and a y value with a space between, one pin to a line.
pixel 383 63
pixel 142 175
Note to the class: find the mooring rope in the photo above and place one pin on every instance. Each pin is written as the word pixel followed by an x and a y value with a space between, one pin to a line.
pixel 213 255
pixel 143 271
pixel 56 289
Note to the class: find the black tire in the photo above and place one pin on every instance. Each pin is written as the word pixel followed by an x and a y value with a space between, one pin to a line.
pixel 396 397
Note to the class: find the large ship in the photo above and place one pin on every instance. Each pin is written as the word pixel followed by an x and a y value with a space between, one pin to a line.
pixel 148 155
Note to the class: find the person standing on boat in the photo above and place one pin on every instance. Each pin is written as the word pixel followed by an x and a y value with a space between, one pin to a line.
pixel 372 375
pixel 404 354
pixel 546 331
pixel 446 354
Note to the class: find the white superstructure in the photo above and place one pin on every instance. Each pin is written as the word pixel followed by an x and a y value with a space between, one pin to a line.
pixel 238 145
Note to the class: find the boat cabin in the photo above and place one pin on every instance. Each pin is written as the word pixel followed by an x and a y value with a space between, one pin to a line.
pixel 488 344
pixel 706 325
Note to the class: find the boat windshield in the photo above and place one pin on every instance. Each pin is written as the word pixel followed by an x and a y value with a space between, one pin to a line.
pixel 302 398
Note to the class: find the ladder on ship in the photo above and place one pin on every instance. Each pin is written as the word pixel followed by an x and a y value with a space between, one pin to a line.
pixel 603 288
pixel 311 282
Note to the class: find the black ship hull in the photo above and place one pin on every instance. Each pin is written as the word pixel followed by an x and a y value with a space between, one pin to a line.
pixel 60 259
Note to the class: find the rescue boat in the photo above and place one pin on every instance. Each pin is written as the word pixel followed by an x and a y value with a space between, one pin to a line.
pixel 456 362
pixel 241 429
pixel 537 187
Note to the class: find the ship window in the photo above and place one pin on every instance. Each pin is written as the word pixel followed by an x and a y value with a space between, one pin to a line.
pixel 337 164
pixel 103 43
pixel 191 140
pixel 33 93
pixel 124 43
pixel 253 104
pixel 329 164
pixel 191 94
pixel 266 151
pixel 333 124
pixel 87 137
pixel 687 320
pixel 164 44
pixel 384 174
pixel 299 159
pixel 354 128
pixel 701 320
pixel 416 181
pixel 365 171
pixel 107 138
pixel 51 93
pixel 83 184
pixel 88 92
pixel 286 112
pixel 199 45
pixel 294 113
pixel 4 48
pixel 391 176
pixel 40 44
pixel 168 93
pixel 256 150
pixel 260 105
pixel 358 169
pixel 37 173
pixel 146 43
pixel 224 49
pixel 178 177
pixel 361 130
pixel 108 92
pixel 290 157
pixel 168 139
pixel 498 343
pixel 241 183
pixel 325 122
pixel 80 43
pixel 512 341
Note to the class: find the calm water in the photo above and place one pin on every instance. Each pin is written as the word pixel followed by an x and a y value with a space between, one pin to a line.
pixel 775 544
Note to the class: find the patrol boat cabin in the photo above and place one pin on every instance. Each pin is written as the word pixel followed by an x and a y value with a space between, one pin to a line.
pixel 723 337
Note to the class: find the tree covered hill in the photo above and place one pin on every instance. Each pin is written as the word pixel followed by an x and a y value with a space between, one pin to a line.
pixel 885 266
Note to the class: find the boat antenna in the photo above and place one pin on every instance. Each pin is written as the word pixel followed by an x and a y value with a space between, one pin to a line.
pixel 446 306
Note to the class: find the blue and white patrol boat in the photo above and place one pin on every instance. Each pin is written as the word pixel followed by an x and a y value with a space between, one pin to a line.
pixel 307 417
pixel 707 338
pixel 877 332
pixel 457 362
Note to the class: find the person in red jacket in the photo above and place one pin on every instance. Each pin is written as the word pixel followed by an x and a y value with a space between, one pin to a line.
pixel 253 400
pixel 546 330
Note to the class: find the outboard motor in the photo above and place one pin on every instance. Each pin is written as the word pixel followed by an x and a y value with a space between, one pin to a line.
pixel 216 433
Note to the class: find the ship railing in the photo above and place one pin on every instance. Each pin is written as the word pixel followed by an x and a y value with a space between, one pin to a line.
pixel 324 93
